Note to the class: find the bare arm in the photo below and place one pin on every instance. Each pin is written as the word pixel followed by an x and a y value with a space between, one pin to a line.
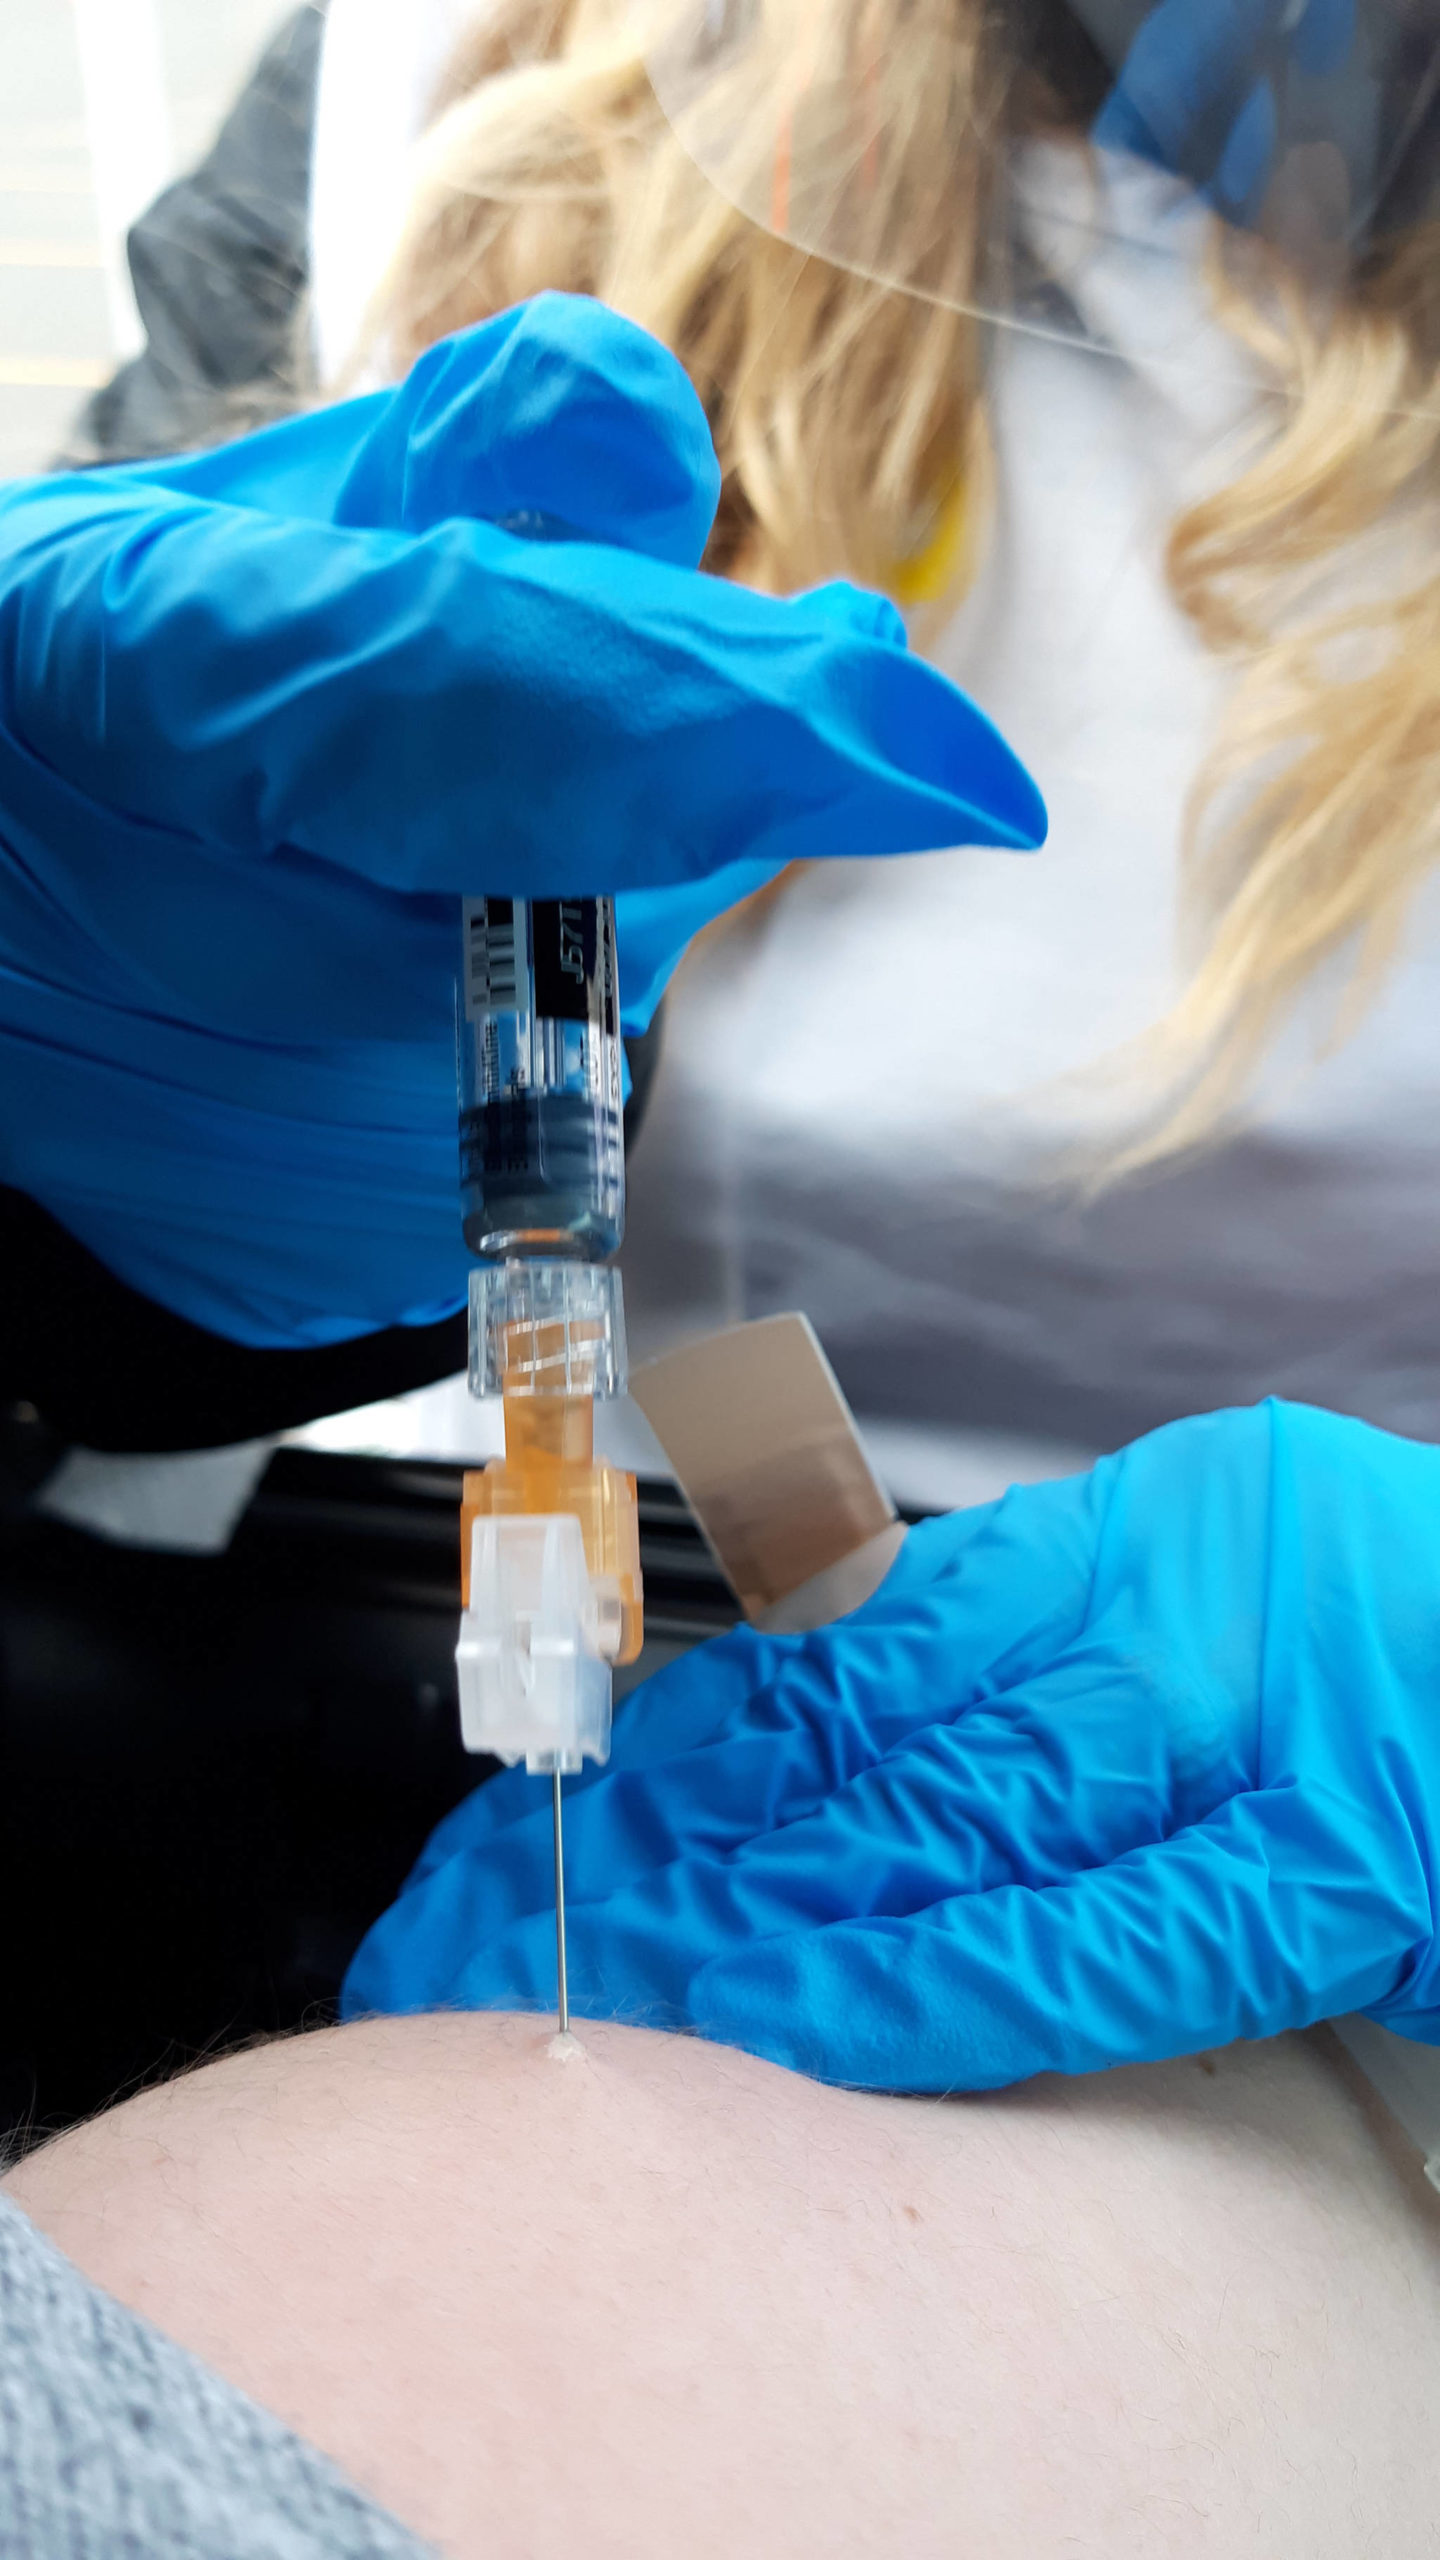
pixel 671 2300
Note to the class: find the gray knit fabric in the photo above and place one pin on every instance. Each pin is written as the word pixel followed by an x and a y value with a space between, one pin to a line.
pixel 117 2445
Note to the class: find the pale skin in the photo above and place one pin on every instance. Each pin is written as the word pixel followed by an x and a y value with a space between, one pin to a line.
pixel 667 2300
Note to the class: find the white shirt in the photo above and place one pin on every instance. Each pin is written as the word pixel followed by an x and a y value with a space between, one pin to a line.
pixel 858 1108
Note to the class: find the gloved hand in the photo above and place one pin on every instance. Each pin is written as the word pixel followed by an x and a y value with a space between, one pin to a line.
pixel 1197 92
pixel 1115 1768
pixel 266 713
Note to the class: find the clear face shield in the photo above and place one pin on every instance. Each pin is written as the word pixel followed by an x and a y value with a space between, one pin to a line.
pixel 986 154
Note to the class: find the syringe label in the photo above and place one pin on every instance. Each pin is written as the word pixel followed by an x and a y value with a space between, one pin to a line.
pixel 494 931
pixel 573 948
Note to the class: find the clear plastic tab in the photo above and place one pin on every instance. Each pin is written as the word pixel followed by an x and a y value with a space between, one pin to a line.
pixel 754 1424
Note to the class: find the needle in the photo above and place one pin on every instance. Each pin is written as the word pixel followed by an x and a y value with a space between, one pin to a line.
pixel 560 1974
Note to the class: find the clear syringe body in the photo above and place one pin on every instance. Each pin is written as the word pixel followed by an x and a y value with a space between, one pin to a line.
pixel 542 1158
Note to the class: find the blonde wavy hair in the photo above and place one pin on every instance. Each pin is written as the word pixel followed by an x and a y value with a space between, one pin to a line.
pixel 850 423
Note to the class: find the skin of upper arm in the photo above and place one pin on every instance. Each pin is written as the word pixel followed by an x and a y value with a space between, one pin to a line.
pixel 670 2300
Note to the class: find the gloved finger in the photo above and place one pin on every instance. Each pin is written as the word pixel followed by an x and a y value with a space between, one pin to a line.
pixel 764 1787
pixel 475 1890
pixel 832 1820
pixel 618 1821
pixel 981 1597
pixel 1267 1916
pixel 485 1876
pixel 974 1604
pixel 677 1712
pixel 837 1818
pixel 386 702
pixel 715 1761
pixel 1188 60
pixel 309 954
pixel 606 441
pixel 557 418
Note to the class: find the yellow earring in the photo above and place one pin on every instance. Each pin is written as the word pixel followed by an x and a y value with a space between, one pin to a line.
pixel 929 575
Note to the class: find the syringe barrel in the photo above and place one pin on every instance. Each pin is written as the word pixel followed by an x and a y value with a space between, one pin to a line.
pixel 542 1159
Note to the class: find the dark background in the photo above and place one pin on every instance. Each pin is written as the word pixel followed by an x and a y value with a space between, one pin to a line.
pixel 216 1771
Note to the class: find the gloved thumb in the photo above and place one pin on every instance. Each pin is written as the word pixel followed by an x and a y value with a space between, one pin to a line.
pixel 557 417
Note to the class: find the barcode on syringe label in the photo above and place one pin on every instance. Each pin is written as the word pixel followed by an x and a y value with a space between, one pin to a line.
pixel 495 954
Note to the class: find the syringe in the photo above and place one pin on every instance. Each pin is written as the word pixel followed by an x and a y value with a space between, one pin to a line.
pixel 550 1544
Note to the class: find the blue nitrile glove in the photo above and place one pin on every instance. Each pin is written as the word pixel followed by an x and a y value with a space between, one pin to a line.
pixel 1115 1768
pixel 266 713
pixel 1197 90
